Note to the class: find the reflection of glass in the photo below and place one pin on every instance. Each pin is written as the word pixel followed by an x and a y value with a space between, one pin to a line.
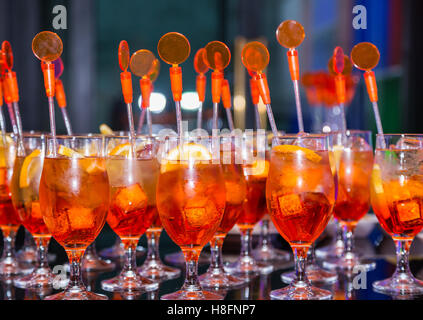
pixel 9 219
pixel 132 175
pixel 191 201
pixel 74 200
pixel 396 196
pixel 300 195
pixel 353 156
pixel 25 198
pixel 91 262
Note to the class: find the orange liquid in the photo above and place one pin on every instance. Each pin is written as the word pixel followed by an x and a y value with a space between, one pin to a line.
pixel 235 186
pixel 129 215
pixel 191 203
pixel 26 200
pixel 254 207
pixel 300 196
pixel 402 217
pixel 74 201
pixel 9 219
pixel 354 173
pixel 156 225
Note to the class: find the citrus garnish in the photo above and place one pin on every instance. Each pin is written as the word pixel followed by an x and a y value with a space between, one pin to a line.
pixel 124 149
pixel 68 152
pixel 190 152
pixel 377 179
pixel 29 169
pixel 106 130
pixel 260 168
pixel 335 157
pixel 309 154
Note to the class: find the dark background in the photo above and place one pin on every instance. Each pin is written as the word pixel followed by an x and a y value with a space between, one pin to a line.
pixel 95 28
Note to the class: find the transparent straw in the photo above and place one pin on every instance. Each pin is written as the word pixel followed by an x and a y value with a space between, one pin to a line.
pixel 141 121
pixel 149 122
pixel 67 121
pixel 257 115
pixel 131 128
pixel 200 115
pixel 215 114
pixel 230 120
pixel 2 126
pixel 298 106
pixel 12 118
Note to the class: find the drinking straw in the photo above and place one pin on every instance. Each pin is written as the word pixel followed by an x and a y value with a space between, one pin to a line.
pixel 201 67
pixel 255 58
pixel 2 122
pixel 290 34
pixel 47 46
pixel 227 103
pixel 365 56
pixel 60 94
pixel 174 48
pixel 126 83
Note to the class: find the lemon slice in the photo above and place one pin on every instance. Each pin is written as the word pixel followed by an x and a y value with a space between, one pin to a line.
pixel 309 154
pixel 190 152
pixel 29 169
pixel 377 179
pixel 106 130
pixel 68 152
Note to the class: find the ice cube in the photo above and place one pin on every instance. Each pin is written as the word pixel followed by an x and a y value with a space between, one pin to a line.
pixel 196 217
pixel 35 210
pixel 408 210
pixel 235 192
pixel 81 218
pixel 130 199
pixel 290 205
pixel 357 143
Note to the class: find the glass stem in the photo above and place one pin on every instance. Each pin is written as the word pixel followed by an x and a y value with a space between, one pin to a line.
pixel 339 239
pixel 216 245
pixel 348 233
pixel 9 246
pixel 311 256
pixel 130 265
pixel 265 236
pixel 245 242
pixel 75 281
pixel 153 245
pixel 300 254
pixel 42 247
pixel 191 278
pixel 402 250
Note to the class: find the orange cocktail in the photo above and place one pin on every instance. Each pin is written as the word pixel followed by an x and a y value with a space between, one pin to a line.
pixel 191 201
pixel 353 159
pixel 74 201
pixel 133 170
pixel 9 219
pixel 300 196
pixel 396 196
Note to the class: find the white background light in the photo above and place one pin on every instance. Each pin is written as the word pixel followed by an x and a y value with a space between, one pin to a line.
pixel 157 102
pixel 190 101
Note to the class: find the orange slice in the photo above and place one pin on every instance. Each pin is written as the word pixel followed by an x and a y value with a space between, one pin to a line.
pixel 309 154
pixel 106 130
pixel 186 152
pixel 29 169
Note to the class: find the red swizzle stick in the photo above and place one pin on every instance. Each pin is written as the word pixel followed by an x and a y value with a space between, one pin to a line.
pixel 290 34
pixel 201 68
pixel 217 58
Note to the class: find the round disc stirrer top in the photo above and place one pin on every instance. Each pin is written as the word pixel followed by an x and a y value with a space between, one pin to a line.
pixel 365 56
pixel 290 34
pixel 141 63
pixel 200 64
pixel 201 67
pixel 255 56
pixel 174 48
pixel 217 56
pixel 7 54
pixel 123 54
pixel 47 46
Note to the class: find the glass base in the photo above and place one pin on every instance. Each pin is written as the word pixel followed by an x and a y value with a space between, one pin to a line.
pixel 349 264
pixel 129 284
pixel 156 270
pixel 10 267
pixel 248 267
pixel 178 258
pixel 76 294
pixel 269 253
pixel 303 292
pixel 220 280
pixel 400 284
pixel 40 279
pixel 192 295
pixel 314 273
pixel 27 256
pixel 92 263
pixel 333 250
